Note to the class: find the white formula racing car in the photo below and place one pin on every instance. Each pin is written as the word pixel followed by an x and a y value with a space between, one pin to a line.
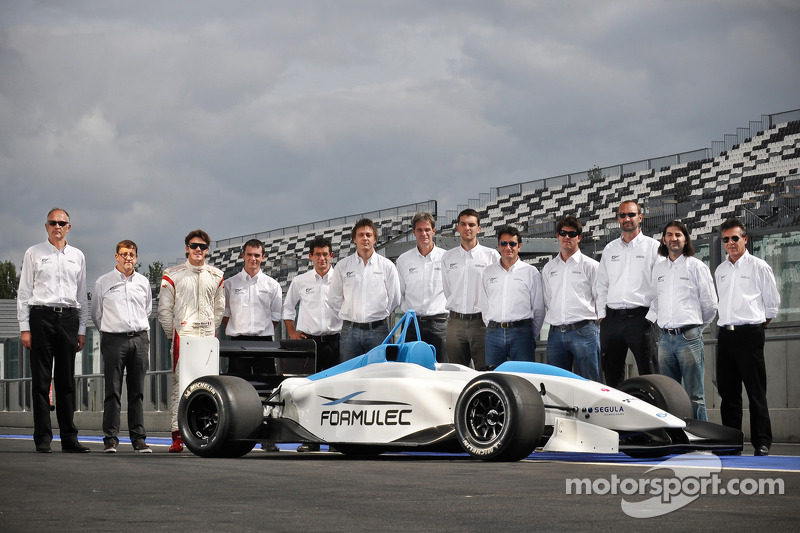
pixel 397 397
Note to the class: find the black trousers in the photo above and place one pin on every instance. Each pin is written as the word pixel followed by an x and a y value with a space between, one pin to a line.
pixel 624 329
pixel 327 350
pixel 434 332
pixel 54 339
pixel 740 360
pixel 124 354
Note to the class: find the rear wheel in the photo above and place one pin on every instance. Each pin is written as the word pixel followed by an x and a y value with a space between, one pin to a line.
pixel 499 417
pixel 661 391
pixel 217 414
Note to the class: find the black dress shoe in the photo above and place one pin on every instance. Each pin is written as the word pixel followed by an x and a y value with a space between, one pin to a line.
pixel 761 450
pixel 44 447
pixel 75 447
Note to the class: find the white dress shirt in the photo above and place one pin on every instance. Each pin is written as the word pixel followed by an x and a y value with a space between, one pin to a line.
pixel 747 290
pixel 253 303
pixel 624 275
pixel 570 293
pixel 55 278
pixel 685 293
pixel 316 316
pixel 120 303
pixel 462 275
pixel 516 294
pixel 421 282
pixel 364 293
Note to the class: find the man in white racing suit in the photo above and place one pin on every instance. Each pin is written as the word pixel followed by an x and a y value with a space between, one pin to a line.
pixel 191 303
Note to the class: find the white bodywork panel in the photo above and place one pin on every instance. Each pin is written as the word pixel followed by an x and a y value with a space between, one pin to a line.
pixel 199 357
pixel 576 436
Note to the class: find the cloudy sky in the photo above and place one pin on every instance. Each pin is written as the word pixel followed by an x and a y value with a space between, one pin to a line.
pixel 148 119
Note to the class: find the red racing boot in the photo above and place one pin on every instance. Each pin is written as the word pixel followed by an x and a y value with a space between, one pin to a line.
pixel 177 443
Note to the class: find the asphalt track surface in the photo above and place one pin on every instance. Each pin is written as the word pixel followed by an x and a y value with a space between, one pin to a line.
pixel 289 491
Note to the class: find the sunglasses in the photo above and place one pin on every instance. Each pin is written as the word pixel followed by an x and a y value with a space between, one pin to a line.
pixel 570 234
pixel 61 223
pixel 196 245
pixel 628 215
pixel 512 244
pixel 734 238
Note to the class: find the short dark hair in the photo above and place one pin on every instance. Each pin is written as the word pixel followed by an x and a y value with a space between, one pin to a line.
pixel 423 216
pixel 733 223
pixel 570 221
pixel 127 244
pixel 319 242
pixel 197 234
pixel 638 206
pixel 509 230
pixel 364 223
pixel 253 243
pixel 468 213
pixel 688 248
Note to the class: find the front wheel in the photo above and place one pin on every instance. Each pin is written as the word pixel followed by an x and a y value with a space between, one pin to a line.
pixel 499 417
pixel 217 414
pixel 661 391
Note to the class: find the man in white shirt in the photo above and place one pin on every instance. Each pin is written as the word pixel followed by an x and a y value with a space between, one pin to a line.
pixel 748 301
pixel 684 304
pixel 420 271
pixel 316 319
pixel 365 290
pixel 461 281
pixel 191 304
pixel 570 299
pixel 252 309
pixel 121 305
pixel 624 293
pixel 52 309
pixel 512 303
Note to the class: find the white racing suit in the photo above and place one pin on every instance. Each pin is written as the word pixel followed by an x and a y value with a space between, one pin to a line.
pixel 191 303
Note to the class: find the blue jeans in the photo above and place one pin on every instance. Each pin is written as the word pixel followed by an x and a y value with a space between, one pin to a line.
pixel 509 344
pixel 681 356
pixel 579 347
pixel 356 341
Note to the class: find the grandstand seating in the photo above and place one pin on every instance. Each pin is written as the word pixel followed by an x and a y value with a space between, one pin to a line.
pixel 759 175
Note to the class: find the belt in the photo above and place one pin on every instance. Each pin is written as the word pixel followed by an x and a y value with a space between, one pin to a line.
pixel 575 325
pixel 466 316
pixel 633 311
pixel 324 338
pixel 742 327
pixel 507 325
pixel 682 329
pixel 433 318
pixel 125 333
pixel 365 325
pixel 61 309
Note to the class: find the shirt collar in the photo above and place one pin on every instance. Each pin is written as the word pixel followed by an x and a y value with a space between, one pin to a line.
pixel 678 262
pixel 577 257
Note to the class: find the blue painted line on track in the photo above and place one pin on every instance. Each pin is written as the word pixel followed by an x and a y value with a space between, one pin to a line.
pixel 740 462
